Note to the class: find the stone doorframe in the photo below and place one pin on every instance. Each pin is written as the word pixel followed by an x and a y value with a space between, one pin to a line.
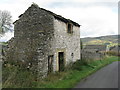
pixel 57 58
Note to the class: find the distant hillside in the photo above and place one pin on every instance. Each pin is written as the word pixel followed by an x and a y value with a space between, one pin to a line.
pixel 110 40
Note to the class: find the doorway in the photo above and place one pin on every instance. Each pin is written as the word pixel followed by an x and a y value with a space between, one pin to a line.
pixel 50 63
pixel 61 61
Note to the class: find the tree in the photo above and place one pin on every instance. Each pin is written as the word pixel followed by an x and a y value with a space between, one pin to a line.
pixel 5 22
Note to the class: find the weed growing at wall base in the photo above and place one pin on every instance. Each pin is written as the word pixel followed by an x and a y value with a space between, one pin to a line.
pixel 15 78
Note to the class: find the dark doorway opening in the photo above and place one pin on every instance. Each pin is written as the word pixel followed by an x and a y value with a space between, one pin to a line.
pixel 50 63
pixel 61 61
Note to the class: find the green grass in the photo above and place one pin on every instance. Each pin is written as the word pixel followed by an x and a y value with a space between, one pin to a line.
pixel 111 40
pixel 67 79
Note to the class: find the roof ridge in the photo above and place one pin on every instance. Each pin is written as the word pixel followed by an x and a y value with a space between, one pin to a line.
pixel 50 12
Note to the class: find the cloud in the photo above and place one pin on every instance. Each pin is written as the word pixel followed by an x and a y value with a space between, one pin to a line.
pixel 97 17
pixel 7 36
pixel 81 4
pixel 99 21
pixel 95 21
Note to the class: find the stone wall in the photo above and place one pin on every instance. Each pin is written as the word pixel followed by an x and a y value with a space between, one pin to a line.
pixel 91 54
pixel 31 45
pixel 3 50
pixel 68 43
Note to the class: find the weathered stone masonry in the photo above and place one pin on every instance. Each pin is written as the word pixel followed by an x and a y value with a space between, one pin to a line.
pixel 40 34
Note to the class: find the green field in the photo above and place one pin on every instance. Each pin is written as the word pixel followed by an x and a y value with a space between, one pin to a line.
pixel 111 40
pixel 14 77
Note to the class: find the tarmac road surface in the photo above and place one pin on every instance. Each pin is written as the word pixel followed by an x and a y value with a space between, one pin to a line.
pixel 107 77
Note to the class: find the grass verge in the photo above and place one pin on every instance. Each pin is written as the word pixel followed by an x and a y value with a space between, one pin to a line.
pixel 16 78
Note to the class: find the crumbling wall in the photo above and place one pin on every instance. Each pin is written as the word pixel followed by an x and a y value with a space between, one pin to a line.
pixel 3 51
pixel 32 37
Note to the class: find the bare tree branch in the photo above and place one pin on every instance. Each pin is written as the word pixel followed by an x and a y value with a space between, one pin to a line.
pixel 5 22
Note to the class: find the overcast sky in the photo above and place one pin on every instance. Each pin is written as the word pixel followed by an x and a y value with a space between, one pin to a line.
pixel 97 17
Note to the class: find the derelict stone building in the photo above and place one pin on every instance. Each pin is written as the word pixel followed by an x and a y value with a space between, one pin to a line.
pixel 93 52
pixel 100 48
pixel 44 41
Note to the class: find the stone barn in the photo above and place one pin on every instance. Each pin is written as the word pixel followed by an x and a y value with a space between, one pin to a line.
pixel 93 52
pixel 99 48
pixel 44 41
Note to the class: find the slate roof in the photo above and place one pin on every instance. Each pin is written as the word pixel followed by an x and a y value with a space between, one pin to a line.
pixel 98 47
pixel 55 15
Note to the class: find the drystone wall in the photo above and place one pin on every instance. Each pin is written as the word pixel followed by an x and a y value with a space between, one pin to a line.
pixel 91 55
pixel 3 51
pixel 32 37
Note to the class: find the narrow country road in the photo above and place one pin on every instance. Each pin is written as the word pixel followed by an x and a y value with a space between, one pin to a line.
pixel 107 77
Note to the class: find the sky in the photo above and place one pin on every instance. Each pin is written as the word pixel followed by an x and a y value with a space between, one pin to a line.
pixel 96 17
